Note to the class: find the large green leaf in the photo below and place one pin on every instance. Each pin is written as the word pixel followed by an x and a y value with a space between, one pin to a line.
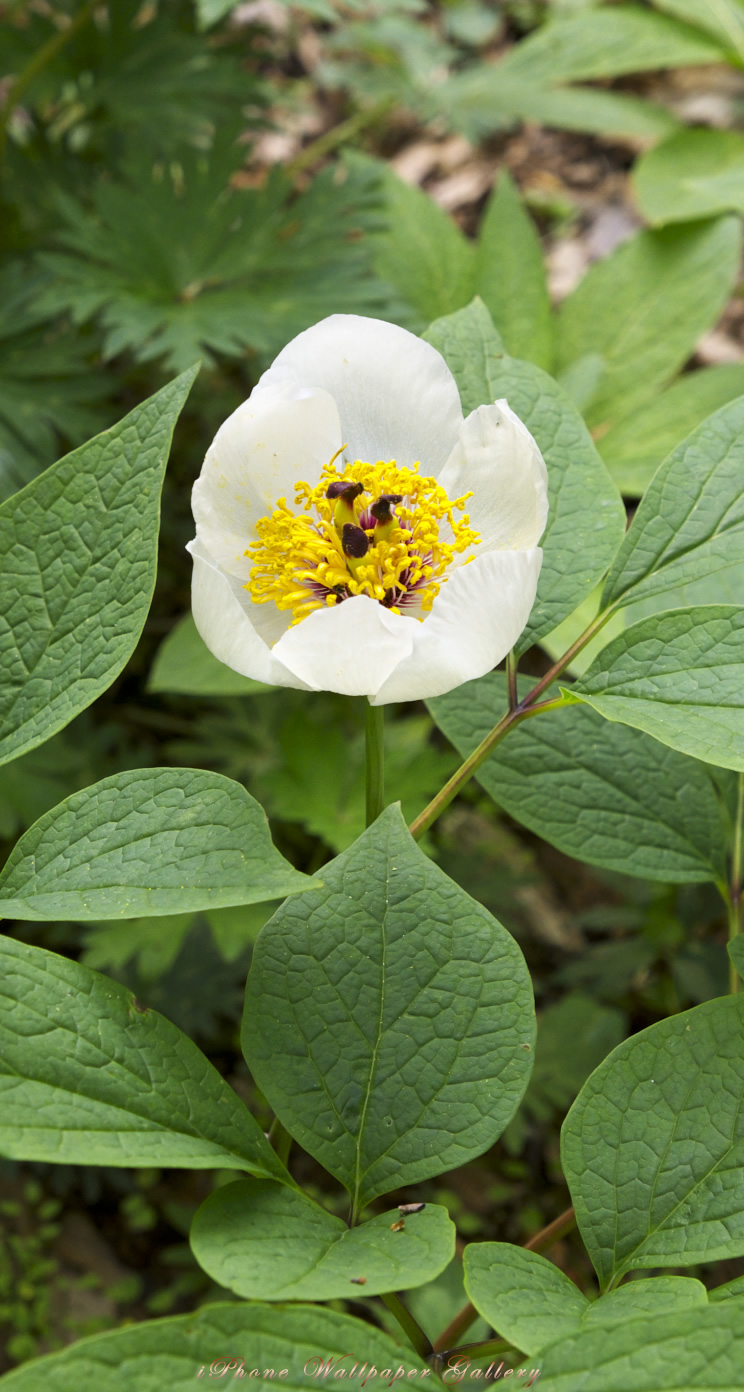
pixel 599 43
pixel 184 665
pixel 398 1039
pixel 79 549
pixel 488 97
pixel 421 252
pixel 724 19
pixel 88 1076
pixel 690 523
pixel 510 276
pixel 601 792
pixel 633 449
pixel 643 309
pixel 679 676
pixel 684 1351
pixel 150 841
pixel 531 1303
pixel 265 1241
pixel 586 518
pixel 653 1147
pixel 217 1342
pixel 694 174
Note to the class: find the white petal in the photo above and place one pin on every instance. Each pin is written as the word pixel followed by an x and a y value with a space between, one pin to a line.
pixel 280 435
pixel 396 397
pixel 476 619
pixel 497 458
pixel 222 614
pixel 352 647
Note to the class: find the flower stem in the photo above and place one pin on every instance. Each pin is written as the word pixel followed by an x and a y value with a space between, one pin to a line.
pixel 375 742
pixel 512 662
pixel 341 134
pixel 408 1324
pixel 524 708
pixel 734 896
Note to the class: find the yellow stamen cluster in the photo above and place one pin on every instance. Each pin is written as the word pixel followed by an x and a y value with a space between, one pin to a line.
pixel 299 562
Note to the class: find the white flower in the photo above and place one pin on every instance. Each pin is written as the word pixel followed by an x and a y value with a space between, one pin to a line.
pixel 407 603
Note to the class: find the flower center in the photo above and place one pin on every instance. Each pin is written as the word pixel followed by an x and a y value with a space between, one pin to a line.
pixel 366 529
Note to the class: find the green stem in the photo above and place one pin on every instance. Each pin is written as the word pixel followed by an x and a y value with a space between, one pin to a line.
pixel 341 134
pixel 450 1357
pixel 734 897
pixel 512 662
pixel 280 1139
pixel 408 1324
pixel 375 740
pixel 41 58
pixel 524 708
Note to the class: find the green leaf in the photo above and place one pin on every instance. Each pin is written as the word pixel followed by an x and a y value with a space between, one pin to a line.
pixel 690 523
pixel 150 841
pixel 724 19
pixel 644 308
pixel 679 676
pixel 731 1290
pixel 165 281
pixel 653 1147
pixel 510 276
pixel 524 1296
pixel 261 1239
pixel 600 43
pixel 673 1352
pixel 184 665
pixel 226 1341
pixel 88 1076
pixel 634 448
pixel 421 252
pixel 736 953
pixel 600 792
pixel 79 551
pixel 531 1303
pixel 488 97
pixel 695 174
pixel 399 1038
pixel 586 518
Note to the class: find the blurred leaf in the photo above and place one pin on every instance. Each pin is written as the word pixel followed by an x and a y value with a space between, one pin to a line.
pixel 155 946
pixel 724 19
pixel 607 42
pixel 644 308
pixel 573 1037
pixel 482 99
pixel 510 276
pixel 634 448
pixel 184 665
pixel 183 268
pixel 696 174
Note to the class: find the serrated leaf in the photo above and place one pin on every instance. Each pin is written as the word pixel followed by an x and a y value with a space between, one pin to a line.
pixel 230 1339
pixel 654 1353
pixel 586 517
pixel 600 43
pixel 399 1039
pixel 149 841
pixel 695 174
pixel 600 792
pixel 184 665
pixel 690 523
pixel 644 308
pixel 421 252
pixel 680 677
pixel 510 276
pixel 653 1147
pixel 167 281
pixel 482 99
pixel 88 1076
pixel 261 1239
pixel 79 550
pixel 633 449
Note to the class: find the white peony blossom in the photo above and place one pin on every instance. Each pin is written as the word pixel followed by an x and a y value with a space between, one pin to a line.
pixel 354 533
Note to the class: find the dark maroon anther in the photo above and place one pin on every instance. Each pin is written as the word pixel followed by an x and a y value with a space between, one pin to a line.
pixel 354 542
pixel 382 510
pixel 341 488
